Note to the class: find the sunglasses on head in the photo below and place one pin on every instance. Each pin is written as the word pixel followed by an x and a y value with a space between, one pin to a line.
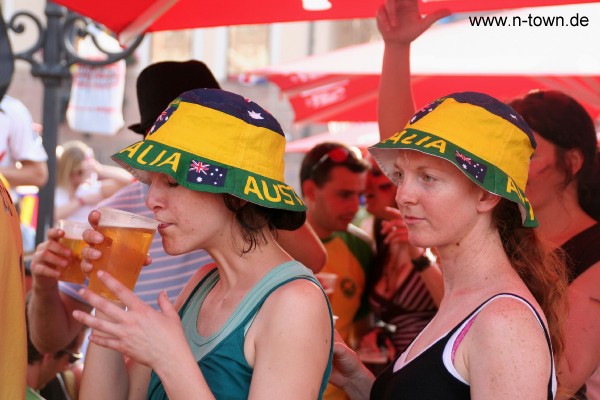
pixel 73 357
pixel 337 155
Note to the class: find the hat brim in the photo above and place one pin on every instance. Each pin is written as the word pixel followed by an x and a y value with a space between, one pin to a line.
pixel 204 175
pixel 137 128
pixel 483 173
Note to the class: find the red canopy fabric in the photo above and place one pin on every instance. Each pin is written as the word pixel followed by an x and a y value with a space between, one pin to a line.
pixel 357 135
pixel 504 62
pixel 161 15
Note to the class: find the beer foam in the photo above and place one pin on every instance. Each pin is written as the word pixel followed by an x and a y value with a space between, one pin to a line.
pixel 124 219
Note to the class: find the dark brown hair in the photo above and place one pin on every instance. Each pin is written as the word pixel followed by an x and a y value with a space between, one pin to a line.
pixel 564 122
pixel 252 219
pixel 316 167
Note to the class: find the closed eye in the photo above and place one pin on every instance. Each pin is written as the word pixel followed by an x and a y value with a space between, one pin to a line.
pixel 172 182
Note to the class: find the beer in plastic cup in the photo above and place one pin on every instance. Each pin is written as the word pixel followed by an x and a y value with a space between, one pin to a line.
pixel 127 239
pixel 73 240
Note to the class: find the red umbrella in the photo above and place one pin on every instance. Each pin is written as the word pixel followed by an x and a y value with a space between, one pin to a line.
pixel 131 17
pixel 504 62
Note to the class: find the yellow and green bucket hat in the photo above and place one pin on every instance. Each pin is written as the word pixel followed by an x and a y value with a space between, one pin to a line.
pixel 485 138
pixel 211 140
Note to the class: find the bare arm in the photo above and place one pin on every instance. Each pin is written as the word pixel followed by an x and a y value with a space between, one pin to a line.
pixel 31 173
pixel 505 342
pixel 112 177
pixel 145 337
pixel 49 312
pixel 63 211
pixel 293 319
pixel 106 171
pixel 582 333
pixel 304 245
pixel 349 373
pixel 399 23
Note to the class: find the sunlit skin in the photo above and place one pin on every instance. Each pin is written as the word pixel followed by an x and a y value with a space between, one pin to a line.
pixel 333 206
pixel 545 181
pixel 426 186
pixel 380 192
pixel 188 220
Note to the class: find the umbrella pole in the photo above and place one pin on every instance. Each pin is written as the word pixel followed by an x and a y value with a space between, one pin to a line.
pixel 59 53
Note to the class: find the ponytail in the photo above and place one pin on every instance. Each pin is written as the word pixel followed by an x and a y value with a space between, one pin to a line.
pixel 542 268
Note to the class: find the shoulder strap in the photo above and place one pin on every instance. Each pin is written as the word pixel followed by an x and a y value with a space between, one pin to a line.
pixel 461 330
pixel 191 296
pixel 247 308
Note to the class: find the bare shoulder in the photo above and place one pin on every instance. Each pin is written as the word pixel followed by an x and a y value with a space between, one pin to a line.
pixel 510 316
pixel 506 341
pixel 301 295
pixel 508 329
pixel 587 282
pixel 299 303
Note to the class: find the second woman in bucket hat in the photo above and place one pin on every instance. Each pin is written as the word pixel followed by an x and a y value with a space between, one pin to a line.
pixel 257 324
pixel 461 165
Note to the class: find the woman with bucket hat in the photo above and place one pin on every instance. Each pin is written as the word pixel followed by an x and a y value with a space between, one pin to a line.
pixel 461 166
pixel 563 185
pixel 255 325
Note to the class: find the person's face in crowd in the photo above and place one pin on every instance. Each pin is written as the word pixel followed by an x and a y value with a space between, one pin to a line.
pixel 334 205
pixel 545 179
pixel 53 363
pixel 84 170
pixel 189 220
pixel 438 202
pixel 380 191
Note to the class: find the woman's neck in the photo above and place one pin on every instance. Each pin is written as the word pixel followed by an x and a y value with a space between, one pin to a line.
pixel 561 220
pixel 477 264
pixel 243 270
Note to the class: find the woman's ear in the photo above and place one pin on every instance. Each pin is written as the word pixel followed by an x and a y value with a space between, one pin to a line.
pixel 487 201
pixel 574 160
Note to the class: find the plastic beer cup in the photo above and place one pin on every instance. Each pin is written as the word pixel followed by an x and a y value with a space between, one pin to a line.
pixel 73 240
pixel 127 239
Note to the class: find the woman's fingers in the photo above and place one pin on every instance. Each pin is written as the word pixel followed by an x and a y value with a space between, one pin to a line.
pixel 94 218
pixel 125 296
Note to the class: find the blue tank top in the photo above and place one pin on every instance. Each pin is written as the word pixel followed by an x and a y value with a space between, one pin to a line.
pixel 221 355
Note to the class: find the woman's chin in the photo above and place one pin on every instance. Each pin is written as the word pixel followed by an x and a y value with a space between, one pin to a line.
pixel 171 249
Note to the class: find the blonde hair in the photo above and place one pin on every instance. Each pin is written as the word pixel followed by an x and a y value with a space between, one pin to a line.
pixel 69 157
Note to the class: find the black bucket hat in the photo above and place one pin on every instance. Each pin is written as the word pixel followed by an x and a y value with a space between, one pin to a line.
pixel 159 84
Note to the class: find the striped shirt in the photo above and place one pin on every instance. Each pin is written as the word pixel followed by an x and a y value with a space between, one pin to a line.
pixel 170 273
pixel 410 309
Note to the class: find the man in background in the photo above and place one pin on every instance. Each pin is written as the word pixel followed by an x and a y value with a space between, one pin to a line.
pixel 333 179
pixel 22 155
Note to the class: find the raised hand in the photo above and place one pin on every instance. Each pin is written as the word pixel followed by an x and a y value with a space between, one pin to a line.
pixel 49 258
pixel 93 237
pixel 399 21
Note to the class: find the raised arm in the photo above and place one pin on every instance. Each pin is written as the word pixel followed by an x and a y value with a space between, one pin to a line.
pixel 304 245
pixel 399 23
pixel 49 311
pixel 148 339
pixel 29 173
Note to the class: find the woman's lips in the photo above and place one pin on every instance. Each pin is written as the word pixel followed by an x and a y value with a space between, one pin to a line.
pixel 409 220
